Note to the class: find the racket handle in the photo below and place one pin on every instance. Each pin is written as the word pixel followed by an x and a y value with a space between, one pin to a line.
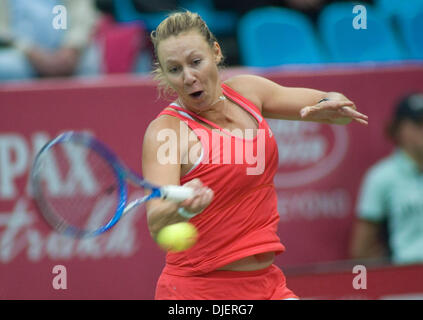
pixel 176 193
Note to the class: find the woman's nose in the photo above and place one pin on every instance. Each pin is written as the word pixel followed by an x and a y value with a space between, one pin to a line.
pixel 189 77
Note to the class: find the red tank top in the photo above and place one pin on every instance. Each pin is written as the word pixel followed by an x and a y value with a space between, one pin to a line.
pixel 242 219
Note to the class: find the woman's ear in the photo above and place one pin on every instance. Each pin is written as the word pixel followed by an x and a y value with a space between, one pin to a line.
pixel 217 53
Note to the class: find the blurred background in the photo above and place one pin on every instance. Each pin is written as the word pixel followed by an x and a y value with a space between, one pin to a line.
pixel 112 36
pixel 85 65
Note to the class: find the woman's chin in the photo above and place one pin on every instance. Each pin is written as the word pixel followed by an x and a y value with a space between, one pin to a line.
pixel 200 103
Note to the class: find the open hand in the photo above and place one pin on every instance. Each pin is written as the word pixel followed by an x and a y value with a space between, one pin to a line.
pixel 333 111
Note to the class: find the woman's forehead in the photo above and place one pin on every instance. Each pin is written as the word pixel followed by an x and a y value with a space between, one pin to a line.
pixel 183 43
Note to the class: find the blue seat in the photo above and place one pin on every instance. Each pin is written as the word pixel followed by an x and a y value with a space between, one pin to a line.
pixel 407 16
pixel 346 44
pixel 410 24
pixel 392 8
pixel 273 36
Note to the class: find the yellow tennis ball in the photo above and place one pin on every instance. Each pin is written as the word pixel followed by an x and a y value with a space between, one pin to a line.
pixel 177 237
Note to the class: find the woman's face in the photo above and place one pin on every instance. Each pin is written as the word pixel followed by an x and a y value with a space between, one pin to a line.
pixel 189 66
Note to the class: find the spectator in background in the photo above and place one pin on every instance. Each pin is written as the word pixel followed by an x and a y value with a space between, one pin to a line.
pixel 392 192
pixel 31 46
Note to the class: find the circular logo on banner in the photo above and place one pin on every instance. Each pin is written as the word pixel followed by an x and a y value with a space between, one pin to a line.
pixel 308 151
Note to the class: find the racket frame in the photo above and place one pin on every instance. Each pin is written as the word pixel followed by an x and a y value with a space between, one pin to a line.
pixel 117 168
pixel 122 174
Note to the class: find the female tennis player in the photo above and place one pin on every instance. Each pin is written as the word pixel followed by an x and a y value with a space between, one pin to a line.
pixel 235 206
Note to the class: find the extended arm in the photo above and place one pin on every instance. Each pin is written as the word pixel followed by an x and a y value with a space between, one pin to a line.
pixel 280 102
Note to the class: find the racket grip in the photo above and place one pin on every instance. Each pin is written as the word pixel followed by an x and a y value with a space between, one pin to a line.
pixel 176 193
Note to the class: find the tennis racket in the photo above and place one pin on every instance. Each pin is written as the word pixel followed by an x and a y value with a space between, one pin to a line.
pixel 92 195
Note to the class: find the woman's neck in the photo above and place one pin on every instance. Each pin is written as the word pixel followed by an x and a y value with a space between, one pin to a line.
pixel 216 107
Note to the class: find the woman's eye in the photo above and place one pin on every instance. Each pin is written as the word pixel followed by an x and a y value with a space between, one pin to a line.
pixel 173 69
pixel 197 61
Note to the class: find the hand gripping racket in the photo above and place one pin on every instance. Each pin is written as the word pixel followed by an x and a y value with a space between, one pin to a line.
pixel 80 186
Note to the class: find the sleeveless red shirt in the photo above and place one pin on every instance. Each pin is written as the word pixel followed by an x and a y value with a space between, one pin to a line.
pixel 242 218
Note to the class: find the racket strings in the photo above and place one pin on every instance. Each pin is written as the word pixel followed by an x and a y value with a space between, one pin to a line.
pixel 86 196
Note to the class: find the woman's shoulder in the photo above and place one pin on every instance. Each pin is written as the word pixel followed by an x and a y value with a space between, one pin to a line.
pixel 248 86
pixel 163 122
pixel 242 81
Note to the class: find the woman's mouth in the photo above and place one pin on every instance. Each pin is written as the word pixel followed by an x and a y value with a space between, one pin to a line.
pixel 196 94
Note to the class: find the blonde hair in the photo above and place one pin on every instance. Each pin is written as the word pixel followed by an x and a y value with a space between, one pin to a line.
pixel 175 24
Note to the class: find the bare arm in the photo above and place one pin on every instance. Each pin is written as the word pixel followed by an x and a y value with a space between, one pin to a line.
pixel 280 102
pixel 52 64
pixel 366 241
pixel 162 212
